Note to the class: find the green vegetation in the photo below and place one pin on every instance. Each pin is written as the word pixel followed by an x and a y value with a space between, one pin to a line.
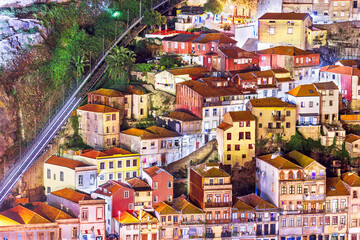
pixel 144 67
pixel 153 19
pixel 120 62
pixel 213 6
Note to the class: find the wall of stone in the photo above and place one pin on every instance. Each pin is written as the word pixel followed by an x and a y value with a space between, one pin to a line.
pixel 310 131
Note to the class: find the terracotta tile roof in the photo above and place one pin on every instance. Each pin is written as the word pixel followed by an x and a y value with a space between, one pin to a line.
pixel 192 71
pixel 285 50
pixel 236 52
pixel 344 70
pixel 98 108
pixel 241 205
pixel 165 209
pixel 148 217
pixel 214 37
pixel 352 179
pixel 23 215
pixel 5 221
pixel 352 117
pixel 182 37
pixel 206 91
pixel 266 73
pixel 326 86
pixel 284 16
pixel 335 187
pixel 183 116
pixel 107 93
pixel 352 138
pixel 305 90
pixel 247 76
pixel 224 126
pixel 51 213
pixel 241 116
pixel 279 162
pixel 348 62
pixel 212 172
pixel 270 102
pixel 312 28
pixel 300 158
pixel 111 187
pixel 137 90
pixel 154 170
pixel 287 79
pixel 138 185
pixel 116 151
pixel 152 132
pixel 185 207
pixel 279 70
pixel 215 81
pixel 257 202
pixel 127 218
pixel 65 162
pixel 71 195
pixel 93 154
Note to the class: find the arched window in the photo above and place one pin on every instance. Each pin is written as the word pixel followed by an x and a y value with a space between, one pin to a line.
pixel 291 175
pixel 282 175
pixel 299 174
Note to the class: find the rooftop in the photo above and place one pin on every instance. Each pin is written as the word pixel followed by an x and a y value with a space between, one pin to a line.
pixel 270 102
pixel 107 92
pixel 155 170
pixel 352 179
pixel 193 71
pixel 152 132
pixel 241 116
pixel 305 90
pixel 51 213
pixel 207 91
pixel 257 202
pixel 210 171
pixel 224 126
pixel 285 50
pixel 183 116
pixel 115 151
pixel 185 207
pixel 279 162
pixel 138 185
pixel 182 37
pixel 326 86
pixel 72 195
pixel 65 162
pixel 111 187
pixel 344 70
pixel 335 187
pixel 284 16
pixel 23 215
pixel 164 209
pixel 350 117
pixel 348 62
pixel 352 138
pixel 136 89
pixel 98 108
pixel 236 52
pixel 300 158
pixel 241 205
pixel 214 37
pixel 127 218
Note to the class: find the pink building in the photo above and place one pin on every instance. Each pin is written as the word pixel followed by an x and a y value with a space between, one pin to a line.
pixel 161 182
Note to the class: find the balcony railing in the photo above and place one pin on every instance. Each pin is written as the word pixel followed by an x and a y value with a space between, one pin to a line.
pixel 217 221
pixel 217 204
pixel 312 211
pixel 279 118
pixel 338 210
pixel 226 234
pixel 209 235
pixel 238 220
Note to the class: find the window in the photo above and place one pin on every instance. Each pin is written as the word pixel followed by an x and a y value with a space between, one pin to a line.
pixel 214 112
pixel 289 30
pixel 84 214
pixel 48 173
pixel 102 177
pixel 170 184
pixel 128 163
pixel 288 125
pixel 283 222
pixel 271 31
pixel 119 164
pixel 111 176
pixel 126 194
pixel 342 220
pixel 299 189
pixel 311 104
pixel 354 194
pixel 263 58
pixel 291 222
pixel 306 221
pixel 283 190
pixel 61 176
pixel 128 174
pixel 292 189
pixel 135 163
pixel 247 135
pixel 182 45
pixel 119 176
pixel 102 165
pixel 260 125
pixel 74 232
pixel 108 117
pixel 335 220
pixel 327 220
pixel 134 174
pixel 298 222
pixel 237 147
pixel 81 180
pixel 228 147
pixel 342 3
pixel 241 135
pixel 228 136
pixel 243 156
pixel 111 164
pixel 313 221
pixel 228 157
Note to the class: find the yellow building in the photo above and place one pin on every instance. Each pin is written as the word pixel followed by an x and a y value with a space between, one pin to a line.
pixel 340 11
pixel 283 29
pixel 316 37
pixel 143 193
pixel 236 138
pixel 99 125
pixel 113 164
pixel 169 221
pixel 60 172
pixel 273 117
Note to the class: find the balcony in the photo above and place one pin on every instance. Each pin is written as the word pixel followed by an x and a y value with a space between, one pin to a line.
pixel 209 235
pixel 275 130
pixel 308 197
pixel 242 220
pixel 183 222
pixel 312 211
pixel 225 186
pixel 217 204
pixel 279 118
pixel 217 221
pixel 338 210
pixel 225 234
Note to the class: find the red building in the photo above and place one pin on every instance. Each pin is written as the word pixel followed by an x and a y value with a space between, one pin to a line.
pixel 235 59
pixel 178 44
pixel 161 182
pixel 210 42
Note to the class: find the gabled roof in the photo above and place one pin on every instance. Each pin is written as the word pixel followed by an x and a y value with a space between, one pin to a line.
pixel 284 16
pixel 335 187
pixel 127 218
pixel 51 213
pixel 224 126
pixel 72 195
pixel 93 154
pixel 152 132
pixel 111 187
pixel 352 179
pixel 23 215
pixel 138 185
pixel 115 151
pixel 192 71
pixel 352 138
pixel 185 207
pixel 270 102
pixel 257 202
pixel 107 93
pixel 348 62
pixel 155 170
pixel 241 205
pixel 279 162
pixel 147 217
pixel 165 209
pixel 211 172
pixel 285 50
pixel 214 37
pixel 241 116
pixel 300 158
pixel 207 91
pixel 344 70
pixel 182 37
pixel 5 221
pixel 183 116
pixel 65 162
pixel 236 52
pixel 305 90
pixel 279 70
pixel 136 89
pixel 98 108
pixel 326 86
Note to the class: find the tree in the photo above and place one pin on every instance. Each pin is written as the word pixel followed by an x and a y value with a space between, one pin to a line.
pixel 153 18
pixel 78 64
pixel 213 6
pixel 297 142
pixel 119 62
pixel 167 61
pixel 343 155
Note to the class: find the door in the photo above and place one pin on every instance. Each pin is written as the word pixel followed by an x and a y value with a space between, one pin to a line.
pixel 153 236
pixel 312 237
pixel 144 236
pixel 163 159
